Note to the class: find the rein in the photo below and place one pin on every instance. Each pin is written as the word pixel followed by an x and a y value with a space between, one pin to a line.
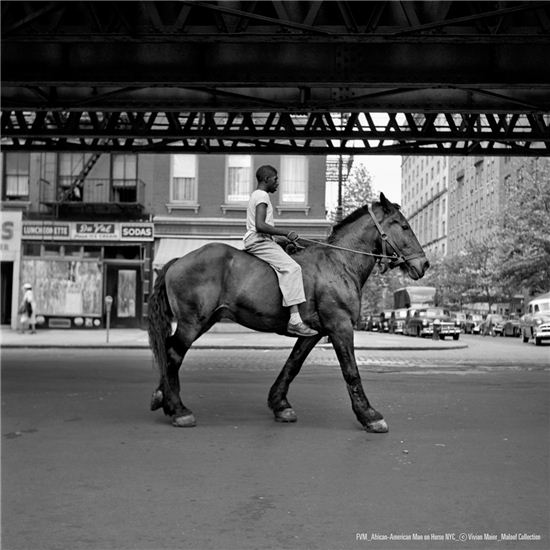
pixel 395 259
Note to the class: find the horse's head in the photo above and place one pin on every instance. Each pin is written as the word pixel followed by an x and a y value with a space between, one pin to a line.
pixel 398 239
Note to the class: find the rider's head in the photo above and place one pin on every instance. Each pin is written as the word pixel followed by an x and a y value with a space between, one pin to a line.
pixel 267 178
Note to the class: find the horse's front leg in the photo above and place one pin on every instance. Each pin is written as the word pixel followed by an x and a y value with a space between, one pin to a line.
pixel 277 400
pixel 370 419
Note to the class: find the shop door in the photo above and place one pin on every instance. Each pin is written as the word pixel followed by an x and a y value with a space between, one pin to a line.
pixel 7 284
pixel 124 286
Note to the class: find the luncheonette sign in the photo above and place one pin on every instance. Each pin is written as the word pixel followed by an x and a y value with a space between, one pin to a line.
pixel 88 231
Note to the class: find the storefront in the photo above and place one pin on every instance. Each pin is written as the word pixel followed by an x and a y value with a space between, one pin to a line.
pixel 10 254
pixel 74 266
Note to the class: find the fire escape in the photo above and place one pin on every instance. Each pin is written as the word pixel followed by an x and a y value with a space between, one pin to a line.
pixel 75 197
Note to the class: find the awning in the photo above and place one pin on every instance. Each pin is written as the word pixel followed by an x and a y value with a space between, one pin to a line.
pixel 169 248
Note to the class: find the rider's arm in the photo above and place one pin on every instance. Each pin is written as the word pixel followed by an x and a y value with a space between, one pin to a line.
pixel 263 227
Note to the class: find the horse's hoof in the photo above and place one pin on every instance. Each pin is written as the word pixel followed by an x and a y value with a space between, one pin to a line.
pixel 187 421
pixel 286 415
pixel 377 427
pixel 156 400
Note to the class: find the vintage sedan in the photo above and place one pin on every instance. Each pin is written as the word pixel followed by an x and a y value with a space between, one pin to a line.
pixel 421 321
pixel 398 320
pixel 473 323
pixel 510 327
pixel 535 324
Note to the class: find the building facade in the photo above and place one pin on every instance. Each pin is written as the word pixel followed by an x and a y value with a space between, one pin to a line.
pixel 425 200
pixel 86 230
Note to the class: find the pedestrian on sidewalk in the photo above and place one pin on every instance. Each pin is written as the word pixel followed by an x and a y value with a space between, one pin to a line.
pixel 27 309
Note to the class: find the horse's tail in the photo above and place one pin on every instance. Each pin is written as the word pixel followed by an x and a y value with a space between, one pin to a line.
pixel 160 320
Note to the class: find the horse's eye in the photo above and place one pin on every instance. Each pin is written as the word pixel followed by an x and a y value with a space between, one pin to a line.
pixel 405 226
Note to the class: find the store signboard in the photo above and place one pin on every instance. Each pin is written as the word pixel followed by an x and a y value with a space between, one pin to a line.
pixel 88 231
pixel 10 246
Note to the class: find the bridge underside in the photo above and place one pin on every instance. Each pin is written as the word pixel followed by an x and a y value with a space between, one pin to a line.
pixel 319 77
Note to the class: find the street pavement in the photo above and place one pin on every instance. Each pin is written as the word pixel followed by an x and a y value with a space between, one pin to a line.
pixel 86 465
pixel 222 335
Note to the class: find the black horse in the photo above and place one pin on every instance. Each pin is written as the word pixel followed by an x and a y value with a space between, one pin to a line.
pixel 218 281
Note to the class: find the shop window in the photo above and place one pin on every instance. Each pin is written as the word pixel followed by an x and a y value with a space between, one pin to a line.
pixel 17 172
pixel 238 178
pixel 92 252
pixel 64 287
pixel 72 250
pixel 31 249
pixel 52 250
pixel 293 178
pixel 122 252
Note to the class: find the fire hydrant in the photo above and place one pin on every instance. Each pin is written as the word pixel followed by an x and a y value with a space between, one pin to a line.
pixel 436 329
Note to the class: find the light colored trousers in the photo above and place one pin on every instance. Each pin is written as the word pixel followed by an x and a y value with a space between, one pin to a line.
pixel 288 271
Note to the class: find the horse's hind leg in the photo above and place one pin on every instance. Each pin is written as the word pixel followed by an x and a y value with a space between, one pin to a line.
pixel 277 400
pixel 167 394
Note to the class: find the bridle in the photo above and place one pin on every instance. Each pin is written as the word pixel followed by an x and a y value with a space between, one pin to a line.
pixel 385 260
pixel 397 258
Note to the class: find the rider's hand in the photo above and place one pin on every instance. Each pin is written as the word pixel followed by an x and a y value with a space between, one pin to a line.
pixel 293 236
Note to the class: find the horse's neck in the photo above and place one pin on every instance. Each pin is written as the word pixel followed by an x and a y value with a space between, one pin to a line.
pixel 362 236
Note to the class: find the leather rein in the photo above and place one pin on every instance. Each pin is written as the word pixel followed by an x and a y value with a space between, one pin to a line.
pixel 392 260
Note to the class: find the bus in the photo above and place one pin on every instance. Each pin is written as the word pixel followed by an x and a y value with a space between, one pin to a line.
pixel 411 296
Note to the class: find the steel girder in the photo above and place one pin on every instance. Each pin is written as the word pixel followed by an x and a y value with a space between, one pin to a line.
pixel 450 77
pixel 314 133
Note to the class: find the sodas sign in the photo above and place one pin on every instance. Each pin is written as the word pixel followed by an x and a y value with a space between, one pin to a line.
pixel 137 232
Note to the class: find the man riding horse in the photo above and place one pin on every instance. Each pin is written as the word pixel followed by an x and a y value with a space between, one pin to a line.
pixel 258 240
pixel 218 281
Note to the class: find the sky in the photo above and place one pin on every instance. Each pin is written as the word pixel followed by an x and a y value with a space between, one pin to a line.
pixel 385 171
pixel 386 174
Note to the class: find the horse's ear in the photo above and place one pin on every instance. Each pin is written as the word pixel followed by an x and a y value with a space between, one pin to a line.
pixel 386 204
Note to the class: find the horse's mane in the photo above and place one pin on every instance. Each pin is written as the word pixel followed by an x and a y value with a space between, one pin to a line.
pixel 355 215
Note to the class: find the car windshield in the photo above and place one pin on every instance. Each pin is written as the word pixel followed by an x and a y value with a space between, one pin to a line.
pixel 401 314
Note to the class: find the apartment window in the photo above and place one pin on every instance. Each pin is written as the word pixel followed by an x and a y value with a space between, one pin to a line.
pixel 17 175
pixel 184 179
pixel 294 175
pixel 124 180
pixel 70 166
pixel 239 178
pixel 124 170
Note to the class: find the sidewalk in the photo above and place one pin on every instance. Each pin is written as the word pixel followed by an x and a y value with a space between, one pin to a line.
pixel 221 336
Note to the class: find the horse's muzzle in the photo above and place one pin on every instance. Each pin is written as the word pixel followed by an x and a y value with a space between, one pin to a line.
pixel 416 268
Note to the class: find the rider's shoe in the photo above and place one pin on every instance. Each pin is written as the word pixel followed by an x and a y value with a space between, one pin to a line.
pixel 300 329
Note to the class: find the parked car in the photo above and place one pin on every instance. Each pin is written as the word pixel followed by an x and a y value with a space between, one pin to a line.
pixel 420 322
pixel 459 317
pixel 535 324
pixel 497 321
pixel 511 327
pixel 472 323
pixel 371 323
pixel 399 316
pixel 385 319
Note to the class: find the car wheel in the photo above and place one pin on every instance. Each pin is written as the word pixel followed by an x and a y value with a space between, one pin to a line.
pixel 538 341
pixel 455 336
pixel 525 338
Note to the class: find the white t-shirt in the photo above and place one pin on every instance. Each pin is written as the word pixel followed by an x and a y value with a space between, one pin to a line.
pixel 257 197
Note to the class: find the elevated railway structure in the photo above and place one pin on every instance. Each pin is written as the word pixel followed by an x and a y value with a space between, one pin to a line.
pixel 318 77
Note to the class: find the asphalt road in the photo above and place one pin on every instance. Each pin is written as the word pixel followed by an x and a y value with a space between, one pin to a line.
pixel 86 465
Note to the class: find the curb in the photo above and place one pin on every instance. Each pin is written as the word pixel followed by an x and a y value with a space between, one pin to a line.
pixel 222 347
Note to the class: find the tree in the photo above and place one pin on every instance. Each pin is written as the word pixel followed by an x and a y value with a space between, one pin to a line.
pixel 357 189
pixel 524 229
